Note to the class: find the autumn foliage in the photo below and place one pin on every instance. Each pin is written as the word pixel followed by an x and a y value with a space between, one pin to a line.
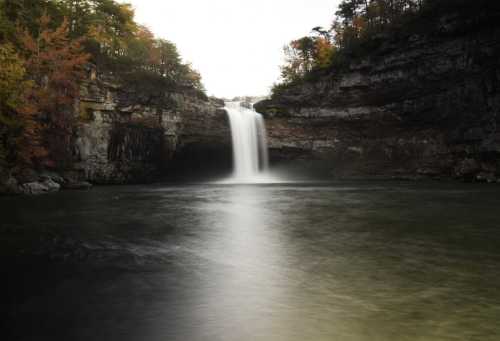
pixel 305 55
pixel 12 89
pixel 45 47
pixel 54 64
pixel 358 27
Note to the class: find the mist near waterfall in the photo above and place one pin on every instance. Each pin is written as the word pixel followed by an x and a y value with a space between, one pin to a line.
pixel 250 149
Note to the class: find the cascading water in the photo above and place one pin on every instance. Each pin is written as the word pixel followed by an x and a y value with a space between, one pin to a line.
pixel 250 157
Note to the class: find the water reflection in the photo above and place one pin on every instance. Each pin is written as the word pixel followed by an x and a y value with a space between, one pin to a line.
pixel 244 284
pixel 268 262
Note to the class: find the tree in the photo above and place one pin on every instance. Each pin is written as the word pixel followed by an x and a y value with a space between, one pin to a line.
pixel 352 34
pixel 323 53
pixel 44 45
pixel 54 64
pixel 141 51
pixel 26 13
pixel 307 54
pixel 78 14
pixel 116 25
pixel 12 88
pixel 167 57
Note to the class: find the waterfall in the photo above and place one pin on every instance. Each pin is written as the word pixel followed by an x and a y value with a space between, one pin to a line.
pixel 248 131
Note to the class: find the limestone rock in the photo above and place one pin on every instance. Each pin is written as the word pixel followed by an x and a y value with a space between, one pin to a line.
pixel 420 107
pixel 40 187
pixel 130 136
pixel 52 176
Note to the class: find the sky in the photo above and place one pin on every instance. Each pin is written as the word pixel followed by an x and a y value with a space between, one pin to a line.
pixel 236 45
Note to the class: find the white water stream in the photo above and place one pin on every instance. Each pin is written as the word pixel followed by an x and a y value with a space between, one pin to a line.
pixel 250 156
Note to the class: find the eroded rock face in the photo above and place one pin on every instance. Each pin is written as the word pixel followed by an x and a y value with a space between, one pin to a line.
pixel 131 136
pixel 421 107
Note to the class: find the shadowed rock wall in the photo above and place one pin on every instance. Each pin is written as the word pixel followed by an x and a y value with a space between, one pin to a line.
pixel 130 136
pixel 426 105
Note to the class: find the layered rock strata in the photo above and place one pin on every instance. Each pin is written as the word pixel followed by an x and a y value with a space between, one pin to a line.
pixel 423 106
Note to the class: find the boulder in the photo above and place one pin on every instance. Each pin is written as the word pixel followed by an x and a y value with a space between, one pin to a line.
pixel 467 168
pixel 486 177
pixel 52 176
pixel 40 187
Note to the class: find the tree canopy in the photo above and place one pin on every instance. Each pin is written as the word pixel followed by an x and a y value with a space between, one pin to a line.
pixel 44 48
pixel 357 28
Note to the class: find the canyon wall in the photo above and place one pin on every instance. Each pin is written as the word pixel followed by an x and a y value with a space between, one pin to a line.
pixel 130 135
pixel 423 105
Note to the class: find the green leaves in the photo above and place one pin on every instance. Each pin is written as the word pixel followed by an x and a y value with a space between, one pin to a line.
pixel 352 34
pixel 44 45
pixel 12 86
pixel 12 74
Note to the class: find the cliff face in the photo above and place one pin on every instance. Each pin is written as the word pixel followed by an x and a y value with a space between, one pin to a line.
pixel 424 106
pixel 130 135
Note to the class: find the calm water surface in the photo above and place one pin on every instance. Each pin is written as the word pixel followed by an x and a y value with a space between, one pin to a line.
pixel 345 261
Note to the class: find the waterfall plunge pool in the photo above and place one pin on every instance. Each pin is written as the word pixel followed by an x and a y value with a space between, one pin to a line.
pixel 356 261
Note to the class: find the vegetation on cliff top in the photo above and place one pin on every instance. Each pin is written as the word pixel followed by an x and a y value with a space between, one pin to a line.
pixel 45 46
pixel 359 27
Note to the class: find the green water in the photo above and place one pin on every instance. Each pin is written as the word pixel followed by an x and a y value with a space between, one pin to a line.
pixel 344 261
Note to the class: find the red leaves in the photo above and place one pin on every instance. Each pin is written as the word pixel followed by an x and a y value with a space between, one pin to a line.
pixel 55 65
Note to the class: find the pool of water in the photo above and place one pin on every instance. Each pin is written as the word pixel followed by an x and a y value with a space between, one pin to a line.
pixel 340 261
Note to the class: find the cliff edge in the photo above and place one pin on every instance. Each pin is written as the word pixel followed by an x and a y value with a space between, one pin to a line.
pixel 423 105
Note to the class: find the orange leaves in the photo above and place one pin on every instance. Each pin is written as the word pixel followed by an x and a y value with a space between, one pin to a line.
pixel 54 64
pixel 31 148
pixel 307 54
pixel 359 23
pixel 323 53
pixel 54 61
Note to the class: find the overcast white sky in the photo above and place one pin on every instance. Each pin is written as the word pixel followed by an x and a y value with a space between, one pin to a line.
pixel 235 44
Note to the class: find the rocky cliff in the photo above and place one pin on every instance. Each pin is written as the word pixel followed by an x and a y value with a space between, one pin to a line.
pixel 131 135
pixel 425 105
pixel 128 133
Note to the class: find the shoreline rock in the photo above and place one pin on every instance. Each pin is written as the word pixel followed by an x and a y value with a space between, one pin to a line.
pixel 40 187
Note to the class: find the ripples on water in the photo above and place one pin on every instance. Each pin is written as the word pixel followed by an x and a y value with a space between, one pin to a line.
pixel 355 261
